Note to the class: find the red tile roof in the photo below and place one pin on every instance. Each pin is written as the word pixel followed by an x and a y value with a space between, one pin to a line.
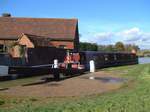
pixel 11 28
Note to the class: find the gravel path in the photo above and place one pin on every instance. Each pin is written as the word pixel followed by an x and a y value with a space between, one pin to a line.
pixel 76 86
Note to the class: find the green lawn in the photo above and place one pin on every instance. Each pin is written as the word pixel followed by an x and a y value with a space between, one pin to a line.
pixel 132 97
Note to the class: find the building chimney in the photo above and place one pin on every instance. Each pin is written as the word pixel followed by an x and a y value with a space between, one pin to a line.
pixel 6 15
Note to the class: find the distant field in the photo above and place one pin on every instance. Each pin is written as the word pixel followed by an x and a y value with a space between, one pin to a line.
pixel 134 96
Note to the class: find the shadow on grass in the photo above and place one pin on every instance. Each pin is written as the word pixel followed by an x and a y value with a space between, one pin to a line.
pixel 3 89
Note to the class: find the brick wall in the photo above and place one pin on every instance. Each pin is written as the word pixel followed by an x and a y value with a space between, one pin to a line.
pixel 67 44
pixel 24 40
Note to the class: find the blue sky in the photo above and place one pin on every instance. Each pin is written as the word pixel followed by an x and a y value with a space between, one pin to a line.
pixel 100 21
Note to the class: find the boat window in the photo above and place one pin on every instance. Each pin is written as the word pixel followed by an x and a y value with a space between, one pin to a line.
pixel 106 57
pixel 115 57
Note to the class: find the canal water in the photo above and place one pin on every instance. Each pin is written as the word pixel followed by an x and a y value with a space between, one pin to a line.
pixel 144 60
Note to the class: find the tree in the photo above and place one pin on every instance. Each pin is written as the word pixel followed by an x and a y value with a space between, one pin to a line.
pixel 120 46
pixel 135 47
pixel 6 15
pixel 130 47
pixel 110 48
pixel 106 48
pixel 85 46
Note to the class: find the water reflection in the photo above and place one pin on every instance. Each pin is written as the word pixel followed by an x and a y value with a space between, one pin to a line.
pixel 144 60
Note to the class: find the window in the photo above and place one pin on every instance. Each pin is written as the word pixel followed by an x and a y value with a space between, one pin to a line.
pixel 1 48
pixel 106 57
pixel 62 46
pixel 115 57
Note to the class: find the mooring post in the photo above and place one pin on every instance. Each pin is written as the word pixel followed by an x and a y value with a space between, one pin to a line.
pixel 56 70
pixel 92 66
pixel 55 63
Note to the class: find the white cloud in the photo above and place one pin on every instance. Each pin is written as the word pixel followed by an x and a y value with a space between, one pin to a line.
pixel 129 36
pixel 104 36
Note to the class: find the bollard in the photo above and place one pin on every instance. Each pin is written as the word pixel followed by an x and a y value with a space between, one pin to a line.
pixel 56 70
pixel 55 63
pixel 92 66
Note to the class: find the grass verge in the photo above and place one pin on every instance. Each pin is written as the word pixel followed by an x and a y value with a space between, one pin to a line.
pixel 134 97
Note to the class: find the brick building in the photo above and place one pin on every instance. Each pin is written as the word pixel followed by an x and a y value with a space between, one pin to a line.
pixel 33 41
pixel 61 33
